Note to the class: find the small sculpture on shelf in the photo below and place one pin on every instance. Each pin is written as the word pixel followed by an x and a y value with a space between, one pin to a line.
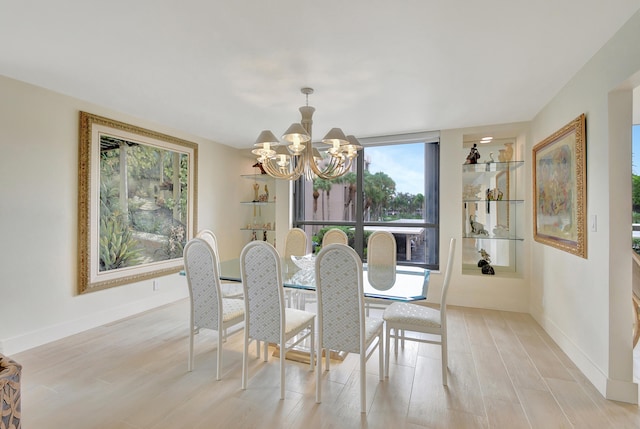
pixel 485 263
pixel 259 165
pixel 470 192
pixel 490 158
pixel 508 151
pixel 263 198
pixel 494 194
pixel 256 188
pixel 473 156
pixel 476 227
pixel 501 231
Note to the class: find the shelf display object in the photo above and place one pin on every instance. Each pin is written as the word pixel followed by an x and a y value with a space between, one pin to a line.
pixel 492 213
pixel 261 199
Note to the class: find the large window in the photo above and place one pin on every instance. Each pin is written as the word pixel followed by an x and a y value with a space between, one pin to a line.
pixel 393 187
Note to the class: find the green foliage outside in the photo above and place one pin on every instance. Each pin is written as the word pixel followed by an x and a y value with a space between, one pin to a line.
pixel 118 247
pixel 635 207
pixel 317 238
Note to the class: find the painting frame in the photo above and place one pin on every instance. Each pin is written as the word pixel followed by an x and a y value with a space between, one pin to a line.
pixel 94 131
pixel 560 190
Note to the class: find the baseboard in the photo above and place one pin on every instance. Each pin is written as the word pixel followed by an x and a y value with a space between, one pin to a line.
pixel 617 390
pixel 10 346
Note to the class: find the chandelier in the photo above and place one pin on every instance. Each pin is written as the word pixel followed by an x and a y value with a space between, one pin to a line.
pixel 297 155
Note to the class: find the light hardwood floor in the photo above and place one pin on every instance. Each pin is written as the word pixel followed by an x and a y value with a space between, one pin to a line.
pixel 505 372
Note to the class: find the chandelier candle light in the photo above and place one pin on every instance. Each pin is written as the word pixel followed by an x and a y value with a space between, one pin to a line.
pixel 297 155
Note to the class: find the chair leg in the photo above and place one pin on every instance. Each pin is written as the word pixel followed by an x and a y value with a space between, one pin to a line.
pixel 327 358
pixel 396 333
pixel 386 351
pixel 312 354
pixel 245 365
pixel 445 362
pixel 190 362
pixel 363 381
pixel 318 375
pixel 283 352
pixel 219 363
pixel 380 356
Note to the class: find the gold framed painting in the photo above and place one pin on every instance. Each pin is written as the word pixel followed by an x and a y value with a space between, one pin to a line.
pixel 137 202
pixel 559 189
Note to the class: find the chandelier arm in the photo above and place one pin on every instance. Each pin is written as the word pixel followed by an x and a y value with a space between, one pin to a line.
pixel 275 171
pixel 332 171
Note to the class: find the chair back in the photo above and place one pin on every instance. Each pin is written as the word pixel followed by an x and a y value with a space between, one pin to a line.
pixel 211 239
pixel 263 291
pixel 201 268
pixel 334 235
pixel 381 260
pixel 340 298
pixel 295 243
pixel 447 278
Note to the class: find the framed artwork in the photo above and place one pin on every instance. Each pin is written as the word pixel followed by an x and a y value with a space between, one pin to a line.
pixel 137 203
pixel 559 189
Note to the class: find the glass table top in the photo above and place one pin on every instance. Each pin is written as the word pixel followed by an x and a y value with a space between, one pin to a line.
pixel 411 283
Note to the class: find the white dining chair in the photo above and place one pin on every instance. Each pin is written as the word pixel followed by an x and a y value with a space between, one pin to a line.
pixel 401 317
pixel 334 235
pixel 267 318
pixel 295 244
pixel 342 325
pixel 381 265
pixel 229 289
pixel 208 309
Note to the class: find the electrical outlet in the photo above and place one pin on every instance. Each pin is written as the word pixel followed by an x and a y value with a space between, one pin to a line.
pixel 156 285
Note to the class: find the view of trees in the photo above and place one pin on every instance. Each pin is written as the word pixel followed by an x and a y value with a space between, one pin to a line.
pixel 635 197
pixel 381 201
pixel 143 203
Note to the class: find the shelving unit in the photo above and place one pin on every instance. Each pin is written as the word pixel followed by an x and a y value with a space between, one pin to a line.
pixel 492 216
pixel 259 207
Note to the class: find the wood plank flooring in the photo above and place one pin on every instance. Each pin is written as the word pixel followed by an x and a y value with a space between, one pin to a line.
pixel 504 372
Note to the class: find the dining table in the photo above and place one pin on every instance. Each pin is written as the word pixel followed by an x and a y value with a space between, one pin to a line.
pixel 411 284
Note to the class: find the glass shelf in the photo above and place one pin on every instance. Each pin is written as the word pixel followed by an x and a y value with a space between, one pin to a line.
pixel 491 167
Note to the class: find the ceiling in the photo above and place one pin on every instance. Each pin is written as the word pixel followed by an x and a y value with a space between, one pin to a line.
pixel 225 70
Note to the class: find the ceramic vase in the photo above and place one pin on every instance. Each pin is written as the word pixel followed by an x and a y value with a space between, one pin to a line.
pixel 508 151
pixel 501 155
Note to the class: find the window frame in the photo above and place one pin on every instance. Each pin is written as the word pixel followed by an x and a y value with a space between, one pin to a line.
pixel 431 140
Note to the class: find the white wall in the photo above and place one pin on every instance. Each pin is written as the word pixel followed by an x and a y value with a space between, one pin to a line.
pixel 586 308
pixel 38 219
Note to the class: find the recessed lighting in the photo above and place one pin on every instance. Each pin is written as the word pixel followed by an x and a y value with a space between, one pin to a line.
pixel 486 139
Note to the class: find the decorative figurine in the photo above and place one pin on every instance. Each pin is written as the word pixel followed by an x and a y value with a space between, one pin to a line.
pixel 264 236
pixel 473 156
pixel 494 194
pixel 485 256
pixel 256 188
pixel 477 227
pixel 491 158
pixel 485 263
pixel 470 192
pixel 259 165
